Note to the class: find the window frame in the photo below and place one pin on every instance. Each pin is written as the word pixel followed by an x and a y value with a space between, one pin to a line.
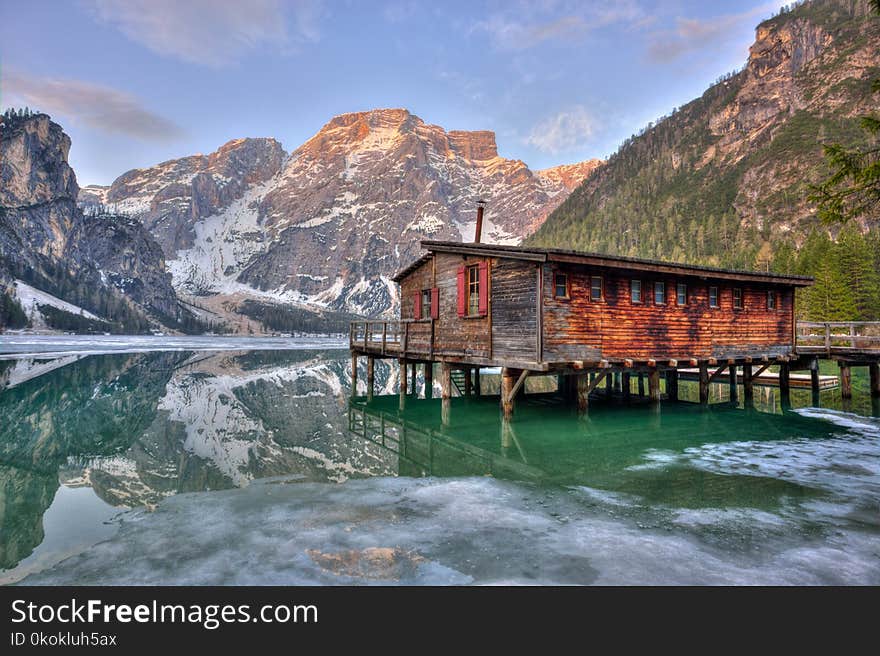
pixel 632 289
pixel 774 306
pixel 472 290
pixel 717 303
pixel 426 295
pixel 662 284
pixel 601 297
pixel 556 295
pixel 678 301
pixel 738 303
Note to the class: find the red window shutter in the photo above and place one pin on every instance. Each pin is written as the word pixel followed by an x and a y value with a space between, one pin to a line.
pixel 484 287
pixel 462 292
pixel 417 305
pixel 435 303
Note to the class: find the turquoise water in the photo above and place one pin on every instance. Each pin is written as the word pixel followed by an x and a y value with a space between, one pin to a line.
pixel 240 467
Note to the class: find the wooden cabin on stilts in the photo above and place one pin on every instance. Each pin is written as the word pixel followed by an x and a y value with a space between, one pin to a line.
pixel 593 320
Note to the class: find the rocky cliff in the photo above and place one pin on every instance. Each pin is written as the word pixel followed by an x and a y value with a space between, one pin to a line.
pixel 327 225
pixel 725 179
pixel 107 264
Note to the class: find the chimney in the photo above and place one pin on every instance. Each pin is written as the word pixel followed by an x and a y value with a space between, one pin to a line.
pixel 479 229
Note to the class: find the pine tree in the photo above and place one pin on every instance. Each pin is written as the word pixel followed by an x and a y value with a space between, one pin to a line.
pixel 857 265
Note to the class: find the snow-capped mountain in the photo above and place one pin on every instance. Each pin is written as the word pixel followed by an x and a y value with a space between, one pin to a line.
pixel 328 224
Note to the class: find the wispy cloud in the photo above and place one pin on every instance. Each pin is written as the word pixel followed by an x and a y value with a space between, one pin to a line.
pixel 691 34
pixel 523 26
pixel 212 32
pixel 563 131
pixel 99 107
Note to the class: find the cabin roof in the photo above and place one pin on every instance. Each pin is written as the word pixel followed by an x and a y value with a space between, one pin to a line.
pixel 596 259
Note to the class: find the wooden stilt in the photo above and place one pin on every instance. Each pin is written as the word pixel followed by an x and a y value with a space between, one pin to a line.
pixel 560 384
pixel 583 393
pixel 748 385
pixel 354 374
pixel 654 385
pixel 785 385
pixel 704 382
pixel 617 383
pixel 429 380
pixel 402 384
pixel 371 363
pixel 624 382
pixel 874 373
pixel 814 381
pixel 477 381
pixel 445 392
pixel 413 388
pixel 845 381
pixel 609 385
pixel 641 384
pixel 672 384
pixel 734 389
pixel 508 379
pixel 468 383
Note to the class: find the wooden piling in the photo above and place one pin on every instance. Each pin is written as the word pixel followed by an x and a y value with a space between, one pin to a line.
pixel 583 393
pixel 814 381
pixel 641 384
pixel 748 385
pixel 845 381
pixel 609 385
pixel 354 374
pixel 477 381
pixel 429 380
pixel 734 389
pixel 625 385
pixel 371 363
pixel 468 383
pixel 704 382
pixel 413 388
pixel 874 372
pixel 445 392
pixel 785 385
pixel 672 384
pixel 654 385
pixel 508 379
pixel 617 379
pixel 403 373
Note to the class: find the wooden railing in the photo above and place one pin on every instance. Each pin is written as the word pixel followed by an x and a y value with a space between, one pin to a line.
pixel 404 337
pixel 832 337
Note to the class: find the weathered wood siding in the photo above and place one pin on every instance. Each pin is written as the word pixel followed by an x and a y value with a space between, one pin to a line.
pixel 513 299
pixel 453 335
pixel 619 329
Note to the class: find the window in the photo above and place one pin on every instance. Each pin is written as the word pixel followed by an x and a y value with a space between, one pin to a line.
pixel 771 300
pixel 635 291
pixel 473 291
pixel 426 304
pixel 560 285
pixel 737 298
pixel 681 294
pixel 596 288
pixel 713 297
pixel 659 293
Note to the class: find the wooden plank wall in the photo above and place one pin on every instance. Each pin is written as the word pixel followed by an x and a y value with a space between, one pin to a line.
pixel 622 329
pixel 514 309
pixel 453 335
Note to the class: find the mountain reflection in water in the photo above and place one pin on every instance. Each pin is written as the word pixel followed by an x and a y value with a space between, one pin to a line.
pixel 138 428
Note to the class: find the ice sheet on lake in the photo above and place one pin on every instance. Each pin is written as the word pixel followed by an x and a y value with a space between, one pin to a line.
pixel 437 531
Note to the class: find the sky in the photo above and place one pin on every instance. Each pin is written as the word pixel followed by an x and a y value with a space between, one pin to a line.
pixel 138 82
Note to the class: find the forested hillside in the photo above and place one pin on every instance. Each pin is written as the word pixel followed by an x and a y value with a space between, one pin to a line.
pixel 726 179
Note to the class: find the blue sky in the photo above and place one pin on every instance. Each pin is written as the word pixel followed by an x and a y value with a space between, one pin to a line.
pixel 136 82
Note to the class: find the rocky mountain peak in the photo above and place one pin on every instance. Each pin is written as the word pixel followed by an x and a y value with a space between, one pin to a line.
pixel 474 145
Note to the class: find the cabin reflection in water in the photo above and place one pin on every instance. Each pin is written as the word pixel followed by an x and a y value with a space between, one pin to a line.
pixel 641 451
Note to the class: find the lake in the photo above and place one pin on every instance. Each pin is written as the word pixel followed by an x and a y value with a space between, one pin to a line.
pixel 252 464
